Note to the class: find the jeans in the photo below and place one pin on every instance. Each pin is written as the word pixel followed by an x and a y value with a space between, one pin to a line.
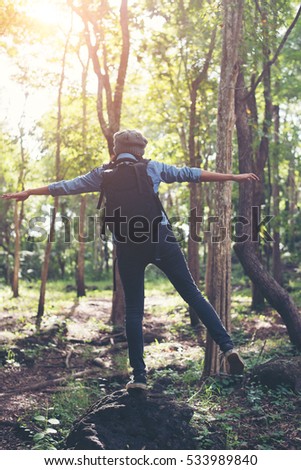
pixel 132 261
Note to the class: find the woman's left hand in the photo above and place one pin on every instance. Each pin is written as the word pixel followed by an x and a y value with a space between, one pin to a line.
pixel 245 177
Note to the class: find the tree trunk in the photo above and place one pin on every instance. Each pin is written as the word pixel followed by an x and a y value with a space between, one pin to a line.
pixel 15 285
pixel 45 267
pixel 193 246
pixel 244 246
pixel 292 202
pixel 80 272
pixel 118 305
pixel 264 146
pixel 108 109
pixel 44 274
pixel 219 286
pixel 194 196
pixel 18 216
pixel 193 254
pixel 277 297
pixel 80 268
pixel 276 260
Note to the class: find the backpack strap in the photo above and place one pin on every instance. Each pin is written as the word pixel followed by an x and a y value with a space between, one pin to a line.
pixel 107 166
pixel 138 179
pixel 101 196
pixel 124 160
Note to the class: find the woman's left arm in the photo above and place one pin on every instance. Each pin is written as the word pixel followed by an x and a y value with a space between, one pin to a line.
pixel 219 177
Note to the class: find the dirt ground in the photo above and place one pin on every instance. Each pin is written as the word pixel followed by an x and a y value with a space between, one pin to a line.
pixel 76 344
pixel 79 343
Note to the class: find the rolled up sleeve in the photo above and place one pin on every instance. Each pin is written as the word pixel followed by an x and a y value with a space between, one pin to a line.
pixel 161 172
pixel 88 183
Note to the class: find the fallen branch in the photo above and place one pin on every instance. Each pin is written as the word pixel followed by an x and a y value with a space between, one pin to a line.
pixel 101 342
pixel 60 389
pixel 68 357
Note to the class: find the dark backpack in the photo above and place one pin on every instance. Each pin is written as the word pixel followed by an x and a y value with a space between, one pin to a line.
pixel 133 210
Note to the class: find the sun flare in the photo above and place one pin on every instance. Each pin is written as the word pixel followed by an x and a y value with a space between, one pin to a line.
pixel 51 12
pixel 45 11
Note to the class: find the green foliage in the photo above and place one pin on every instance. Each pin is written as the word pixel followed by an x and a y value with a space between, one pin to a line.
pixel 169 45
pixel 49 426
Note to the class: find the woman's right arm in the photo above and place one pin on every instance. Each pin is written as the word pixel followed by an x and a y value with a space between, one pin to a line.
pixel 23 195
pixel 88 183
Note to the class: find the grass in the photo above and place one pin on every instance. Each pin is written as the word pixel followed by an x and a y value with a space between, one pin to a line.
pixel 228 414
pixel 49 425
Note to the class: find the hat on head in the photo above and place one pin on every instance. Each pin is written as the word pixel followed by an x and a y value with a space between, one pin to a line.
pixel 129 142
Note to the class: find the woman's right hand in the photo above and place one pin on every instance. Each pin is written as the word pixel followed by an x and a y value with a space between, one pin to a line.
pixel 21 196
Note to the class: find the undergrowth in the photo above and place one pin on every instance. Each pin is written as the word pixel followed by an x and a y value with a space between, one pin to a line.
pixel 228 413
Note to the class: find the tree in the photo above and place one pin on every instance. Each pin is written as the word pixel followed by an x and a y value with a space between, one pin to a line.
pixel 219 259
pixel 80 274
pixel 194 82
pixel 45 267
pixel 19 214
pixel 102 41
pixel 245 242
pixel 10 219
pixel 277 265
pixel 272 291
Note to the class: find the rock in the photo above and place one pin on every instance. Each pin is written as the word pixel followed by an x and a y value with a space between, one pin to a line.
pixel 133 421
pixel 281 371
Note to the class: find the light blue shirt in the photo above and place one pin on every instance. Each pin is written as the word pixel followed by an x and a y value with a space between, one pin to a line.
pixel 158 171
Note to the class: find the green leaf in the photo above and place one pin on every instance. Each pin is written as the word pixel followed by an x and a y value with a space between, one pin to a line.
pixel 50 431
pixel 40 418
pixel 39 436
pixel 53 421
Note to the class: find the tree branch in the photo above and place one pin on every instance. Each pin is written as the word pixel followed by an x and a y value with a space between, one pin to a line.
pixel 203 73
pixel 276 55
pixel 258 7
pixel 124 56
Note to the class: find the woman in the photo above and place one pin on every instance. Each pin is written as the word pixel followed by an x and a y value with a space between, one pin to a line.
pixel 129 147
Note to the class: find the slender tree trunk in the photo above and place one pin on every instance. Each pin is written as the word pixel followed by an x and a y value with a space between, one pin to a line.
pixel 44 274
pixel 219 284
pixel 277 265
pixel 264 146
pixel 5 244
pixel 195 194
pixel 244 246
pixel 118 307
pixel 193 246
pixel 80 272
pixel 109 103
pixel 80 268
pixel 45 267
pixel 193 253
pixel 18 216
pixel 292 201
pixel 8 271
pixel 15 285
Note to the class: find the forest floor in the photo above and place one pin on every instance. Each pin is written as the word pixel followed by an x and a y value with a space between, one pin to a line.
pixel 48 379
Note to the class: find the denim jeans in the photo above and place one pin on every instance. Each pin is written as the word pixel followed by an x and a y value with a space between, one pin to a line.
pixel 132 261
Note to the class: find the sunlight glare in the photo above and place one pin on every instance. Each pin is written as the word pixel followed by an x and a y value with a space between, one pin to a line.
pixel 50 12
pixel 45 11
